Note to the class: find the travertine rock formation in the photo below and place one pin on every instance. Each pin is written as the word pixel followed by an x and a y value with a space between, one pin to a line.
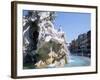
pixel 42 43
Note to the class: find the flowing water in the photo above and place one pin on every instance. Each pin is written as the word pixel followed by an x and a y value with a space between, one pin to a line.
pixel 78 61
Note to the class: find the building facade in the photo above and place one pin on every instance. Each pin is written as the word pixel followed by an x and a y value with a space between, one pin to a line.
pixel 82 45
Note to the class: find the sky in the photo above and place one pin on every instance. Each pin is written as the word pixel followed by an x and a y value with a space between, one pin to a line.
pixel 73 23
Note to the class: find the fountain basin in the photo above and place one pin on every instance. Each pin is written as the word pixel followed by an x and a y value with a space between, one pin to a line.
pixel 78 61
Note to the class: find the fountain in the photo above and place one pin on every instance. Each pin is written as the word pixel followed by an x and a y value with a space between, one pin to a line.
pixel 43 45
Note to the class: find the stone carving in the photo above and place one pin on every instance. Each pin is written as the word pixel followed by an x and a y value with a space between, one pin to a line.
pixel 43 45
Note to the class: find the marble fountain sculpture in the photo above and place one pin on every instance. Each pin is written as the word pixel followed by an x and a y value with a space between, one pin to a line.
pixel 43 45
